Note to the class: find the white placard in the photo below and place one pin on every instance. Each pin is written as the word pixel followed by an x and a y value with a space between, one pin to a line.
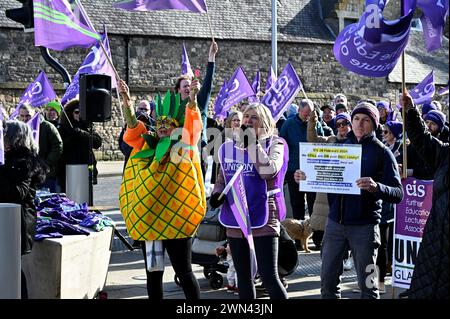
pixel 330 168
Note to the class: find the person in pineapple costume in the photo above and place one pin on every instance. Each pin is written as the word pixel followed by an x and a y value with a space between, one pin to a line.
pixel 162 196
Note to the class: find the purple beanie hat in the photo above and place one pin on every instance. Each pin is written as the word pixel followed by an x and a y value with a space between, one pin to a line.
pixel 396 128
pixel 427 107
pixel 437 117
pixel 369 110
pixel 342 116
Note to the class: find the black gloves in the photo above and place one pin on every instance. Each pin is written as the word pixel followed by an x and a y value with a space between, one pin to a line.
pixel 214 200
pixel 248 136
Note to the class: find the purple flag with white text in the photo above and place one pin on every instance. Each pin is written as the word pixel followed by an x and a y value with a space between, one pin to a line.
pixel 94 63
pixel 271 78
pixel 185 64
pixel 424 91
pixel 433 19
pixel 238 89
pixel 256 85
pixel 220 102
pixel 373 46
pixel 237 200
pixel 57 27
pixel 34 124
pixel 38 93
pixel 147 5
pixel 282 92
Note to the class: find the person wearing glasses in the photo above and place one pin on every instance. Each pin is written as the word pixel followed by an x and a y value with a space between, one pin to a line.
pixel 76 140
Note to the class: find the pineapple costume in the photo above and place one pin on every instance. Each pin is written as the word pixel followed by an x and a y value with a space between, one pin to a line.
pixel 162 193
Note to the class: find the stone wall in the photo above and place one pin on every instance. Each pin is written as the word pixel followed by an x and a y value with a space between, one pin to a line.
pixel 154 64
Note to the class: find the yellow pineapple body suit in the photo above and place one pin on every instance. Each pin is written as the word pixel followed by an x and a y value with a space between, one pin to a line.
pixel 166 199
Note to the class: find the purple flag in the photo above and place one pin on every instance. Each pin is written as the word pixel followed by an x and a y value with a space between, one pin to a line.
pixel 2 146
pixel 34 124
pixel 373 46
pixel 271 78
pixel 424 91
pixel 432 36
pixel 256 85
pixel 443 91
pixel 94 63
pixel 147 5
pixel 185 64
pixel 56 26
pixel 411 216
pixel 237 199
pixel 38 93
pixel 238 89
pixel 220 101
pixel 282 92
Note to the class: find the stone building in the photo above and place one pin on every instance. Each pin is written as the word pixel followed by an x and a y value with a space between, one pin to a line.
pixel 146 49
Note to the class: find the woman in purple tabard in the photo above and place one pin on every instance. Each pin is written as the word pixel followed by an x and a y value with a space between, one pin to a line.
pixel 264 156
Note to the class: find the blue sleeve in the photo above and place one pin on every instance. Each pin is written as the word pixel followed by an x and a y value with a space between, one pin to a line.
pixel 204 95
pixel 320 129
pixel 284 130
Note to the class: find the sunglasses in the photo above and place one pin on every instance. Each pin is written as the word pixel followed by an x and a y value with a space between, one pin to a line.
pixel 76 112
pixel 144 110
pixel 342 124
pixel 164 123
pixel 386 132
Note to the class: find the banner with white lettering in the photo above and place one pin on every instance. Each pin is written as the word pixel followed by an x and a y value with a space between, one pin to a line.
pixel 411 217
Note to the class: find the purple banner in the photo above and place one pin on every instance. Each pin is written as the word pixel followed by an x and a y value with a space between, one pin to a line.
pixel 220 102
pixel 432 36
pixel 56 27
pixel 38 93
pixel 185 64
pixel 282 92
pixel 94 63
pixel 256 85
pixel 424 91
pixel 443 91
pixel 410 219
pixel 271 78
pixel 238 89
pixel 373 46
pixel 147 5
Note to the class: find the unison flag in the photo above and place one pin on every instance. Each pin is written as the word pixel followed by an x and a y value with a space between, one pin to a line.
pixel 433 22
pixel 256 85
pixel 220 101
pixel 185 64
pixel 34 124
pixel 443 91
pixel 424 91
pixel 282 92
pixel 148 5
pixel 271 78
pixel 237 199
pixel 238 89
pixel 373 46
pixel 38 93
pixel 56 26
pixel 94 63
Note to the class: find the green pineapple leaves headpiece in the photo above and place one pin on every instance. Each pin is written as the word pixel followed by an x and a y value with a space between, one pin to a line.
pixel 171 107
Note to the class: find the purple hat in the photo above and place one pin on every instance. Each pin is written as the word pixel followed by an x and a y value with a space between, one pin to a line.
pixel 396 128
pixel 385 105
pixel 437 117
pixel 342 116
pixel 369 110
pixel 427 107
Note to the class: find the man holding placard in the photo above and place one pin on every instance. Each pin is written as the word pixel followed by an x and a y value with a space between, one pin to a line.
pixel 353 219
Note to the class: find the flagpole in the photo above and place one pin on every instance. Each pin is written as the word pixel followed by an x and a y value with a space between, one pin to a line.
pixel 209 22
pixel 405 155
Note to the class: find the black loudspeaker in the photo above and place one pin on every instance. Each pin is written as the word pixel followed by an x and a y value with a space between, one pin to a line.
pixel 95 97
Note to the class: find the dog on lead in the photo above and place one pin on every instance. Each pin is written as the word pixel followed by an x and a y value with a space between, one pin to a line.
pixel 299 230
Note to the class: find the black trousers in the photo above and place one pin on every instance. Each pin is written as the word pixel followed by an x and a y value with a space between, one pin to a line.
pixel 298 203
pixel 180 254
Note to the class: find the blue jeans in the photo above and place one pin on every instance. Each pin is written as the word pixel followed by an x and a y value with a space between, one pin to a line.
pixel 363 241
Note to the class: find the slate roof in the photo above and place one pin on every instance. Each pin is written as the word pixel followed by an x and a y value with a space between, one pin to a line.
pixel 419 63
pixel 298 20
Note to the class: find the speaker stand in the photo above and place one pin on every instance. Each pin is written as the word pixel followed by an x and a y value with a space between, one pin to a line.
pixel 91 167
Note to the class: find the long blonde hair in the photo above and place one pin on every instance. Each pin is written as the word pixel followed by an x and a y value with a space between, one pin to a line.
pixel 265 116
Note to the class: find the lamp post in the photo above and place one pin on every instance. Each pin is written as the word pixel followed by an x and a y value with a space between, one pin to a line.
pixel 274 37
